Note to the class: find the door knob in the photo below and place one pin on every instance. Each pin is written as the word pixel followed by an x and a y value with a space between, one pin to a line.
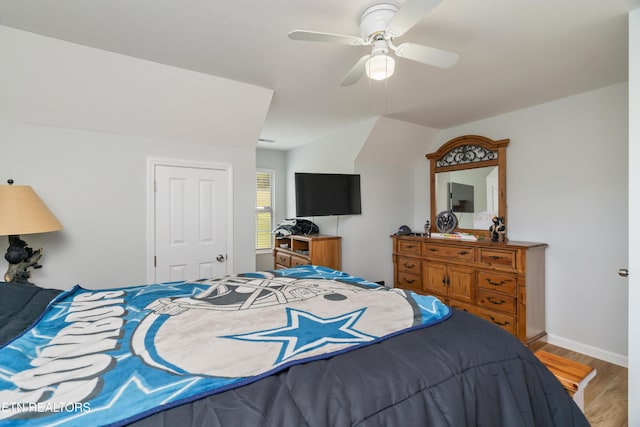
pixel 220 258
pixel 623 272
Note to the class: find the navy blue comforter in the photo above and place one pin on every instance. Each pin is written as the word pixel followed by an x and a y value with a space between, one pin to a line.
pixel 461 372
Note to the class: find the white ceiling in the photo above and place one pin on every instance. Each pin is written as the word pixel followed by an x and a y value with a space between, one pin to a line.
pixel 514 53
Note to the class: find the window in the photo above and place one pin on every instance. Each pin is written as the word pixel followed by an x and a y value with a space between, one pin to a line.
pixel 265 185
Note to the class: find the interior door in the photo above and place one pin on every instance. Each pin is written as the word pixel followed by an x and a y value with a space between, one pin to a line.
pixel 633 263
pixel 190 223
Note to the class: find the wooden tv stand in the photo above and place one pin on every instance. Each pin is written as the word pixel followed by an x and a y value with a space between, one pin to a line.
pixel 314 249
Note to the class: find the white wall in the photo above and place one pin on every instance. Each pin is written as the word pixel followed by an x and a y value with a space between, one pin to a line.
pixel 78 124
pixel 567 186
pixel 387 201
pixel 96 185
pixel 52 82
pixel 401 145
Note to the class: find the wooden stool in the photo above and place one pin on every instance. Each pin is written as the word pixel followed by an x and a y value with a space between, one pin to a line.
pixel 573 376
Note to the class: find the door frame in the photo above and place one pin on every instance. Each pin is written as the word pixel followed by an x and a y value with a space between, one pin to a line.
pixel 633 264
pixel 152 162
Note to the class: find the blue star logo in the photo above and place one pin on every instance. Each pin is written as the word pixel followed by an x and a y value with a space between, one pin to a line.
pixel 306 331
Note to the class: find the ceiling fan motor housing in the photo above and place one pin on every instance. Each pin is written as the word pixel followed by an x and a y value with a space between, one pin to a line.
pixel 380 47
pixel 374 21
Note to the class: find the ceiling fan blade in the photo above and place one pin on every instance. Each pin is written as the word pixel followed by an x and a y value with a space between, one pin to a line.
pixel 411 12
pixel 355 73
pixel 427 55
pixel 314 36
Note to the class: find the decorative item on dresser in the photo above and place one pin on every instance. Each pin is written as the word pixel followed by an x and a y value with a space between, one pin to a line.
pixel 500 282
pixel 497 229
pixel 314 249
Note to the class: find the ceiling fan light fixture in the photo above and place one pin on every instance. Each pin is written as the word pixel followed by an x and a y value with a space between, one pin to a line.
pixel 380 67
pixel 380 24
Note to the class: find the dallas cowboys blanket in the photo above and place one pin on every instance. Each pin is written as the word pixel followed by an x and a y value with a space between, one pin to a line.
pixel 114 356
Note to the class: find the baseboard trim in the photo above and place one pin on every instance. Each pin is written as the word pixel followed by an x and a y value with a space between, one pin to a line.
pixel 598 353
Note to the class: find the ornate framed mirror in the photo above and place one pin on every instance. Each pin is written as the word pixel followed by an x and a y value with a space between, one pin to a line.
pixel 469 178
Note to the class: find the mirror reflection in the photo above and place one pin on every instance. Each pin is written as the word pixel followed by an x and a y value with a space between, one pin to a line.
pixel 472 194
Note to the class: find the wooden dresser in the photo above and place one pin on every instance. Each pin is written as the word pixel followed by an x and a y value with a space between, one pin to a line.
pixel 315 249
pixel 503 283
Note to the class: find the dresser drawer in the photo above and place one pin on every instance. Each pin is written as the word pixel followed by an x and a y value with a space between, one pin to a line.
pixel 410 281
pixel 496 301
pixel 409 247
pixel 283 259
pixel 505 321
pixel 497 282
pixel 498 257
pixel 409 265
pixel 296 261
pixel 461 306
pixel 448 253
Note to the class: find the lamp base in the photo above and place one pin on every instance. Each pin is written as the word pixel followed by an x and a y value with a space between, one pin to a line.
pixel 20 258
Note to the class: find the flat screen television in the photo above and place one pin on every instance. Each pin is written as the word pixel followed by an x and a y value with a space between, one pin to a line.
pixel 322 194
pixel 460 197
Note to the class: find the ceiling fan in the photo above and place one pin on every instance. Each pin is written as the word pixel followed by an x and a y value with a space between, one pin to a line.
pixel 379 26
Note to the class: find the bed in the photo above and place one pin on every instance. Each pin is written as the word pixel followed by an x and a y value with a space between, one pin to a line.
pixel 434 366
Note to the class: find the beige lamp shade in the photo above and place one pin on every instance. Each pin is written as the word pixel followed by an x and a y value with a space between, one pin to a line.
pixel 23 212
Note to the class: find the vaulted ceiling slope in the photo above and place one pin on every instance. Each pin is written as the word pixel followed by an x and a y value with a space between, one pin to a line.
pixel 513 54
pixel 55 83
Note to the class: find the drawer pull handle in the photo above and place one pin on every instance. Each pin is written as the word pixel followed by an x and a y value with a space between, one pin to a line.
pixel 406 265
pixel 410 246
pixel 496 302
pixel 433 249
pixel 505 323
pixel 409 280
pixel 463 253
pixel 496 283
pixel 495 257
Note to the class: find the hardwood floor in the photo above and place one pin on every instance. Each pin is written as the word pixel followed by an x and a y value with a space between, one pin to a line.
pixel 605 399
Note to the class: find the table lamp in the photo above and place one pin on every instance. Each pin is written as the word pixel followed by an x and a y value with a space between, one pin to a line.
pixel 23 212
